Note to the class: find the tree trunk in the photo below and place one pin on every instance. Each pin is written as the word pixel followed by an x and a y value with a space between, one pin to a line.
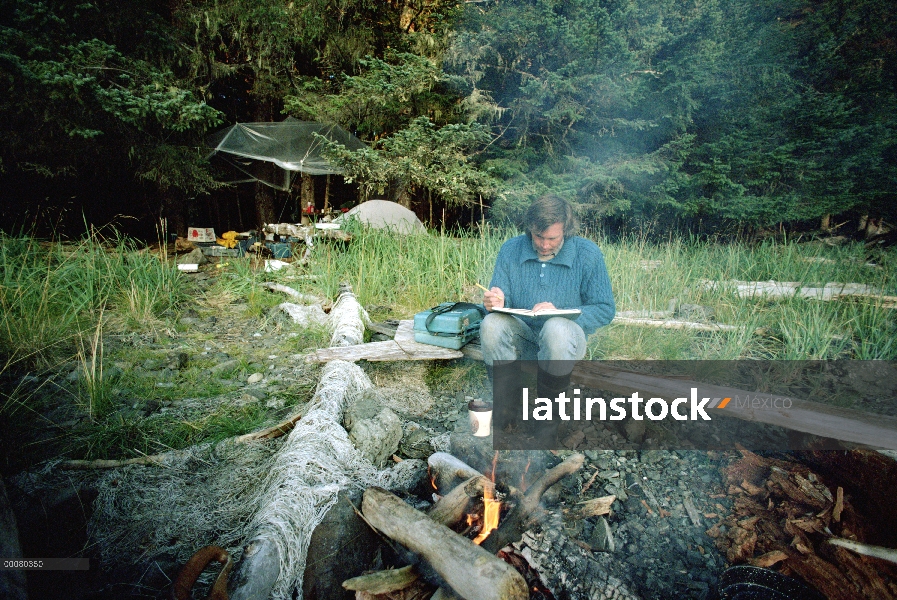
pixel 173 209
pixel 264 195
pixel 307 197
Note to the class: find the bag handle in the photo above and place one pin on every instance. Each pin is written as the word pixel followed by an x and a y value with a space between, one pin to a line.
pixel 449 307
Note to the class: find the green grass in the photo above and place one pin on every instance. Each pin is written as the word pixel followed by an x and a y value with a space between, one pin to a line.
pixel 60 302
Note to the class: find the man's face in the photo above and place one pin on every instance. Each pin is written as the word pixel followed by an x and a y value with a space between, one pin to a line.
pixel 547 243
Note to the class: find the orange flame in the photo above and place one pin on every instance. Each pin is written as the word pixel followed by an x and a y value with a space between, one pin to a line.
pixel 491 509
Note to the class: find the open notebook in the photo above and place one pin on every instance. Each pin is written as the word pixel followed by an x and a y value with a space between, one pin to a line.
pixel 568 313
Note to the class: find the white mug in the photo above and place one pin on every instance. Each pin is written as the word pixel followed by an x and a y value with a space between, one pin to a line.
pixel 480 414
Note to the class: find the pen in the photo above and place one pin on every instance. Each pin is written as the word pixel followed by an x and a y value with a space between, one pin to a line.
pixel 487 290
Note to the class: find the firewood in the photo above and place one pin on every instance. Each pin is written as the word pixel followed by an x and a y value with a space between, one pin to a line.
pixel 445 469
pixel 451 508
pixel 888 554
pixel 383 582
pixel 471 571
pixel 592 508
pixel 512 527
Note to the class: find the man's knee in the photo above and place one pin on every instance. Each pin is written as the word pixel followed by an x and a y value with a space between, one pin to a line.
pixel 562 339
pixel 496 337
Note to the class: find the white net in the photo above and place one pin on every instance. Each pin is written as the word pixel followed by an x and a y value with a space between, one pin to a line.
pixel 230 493
pixel 347 319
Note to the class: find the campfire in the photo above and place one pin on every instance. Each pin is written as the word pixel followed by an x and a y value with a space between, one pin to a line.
pixel 439 553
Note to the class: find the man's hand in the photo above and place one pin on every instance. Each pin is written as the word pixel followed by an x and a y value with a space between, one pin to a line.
pixel 543 306
pixel 494 298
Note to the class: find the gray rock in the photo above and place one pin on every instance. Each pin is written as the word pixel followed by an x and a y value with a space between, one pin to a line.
pixel 195 256
pixel 374 429
pixel 602 538
pixel 342 546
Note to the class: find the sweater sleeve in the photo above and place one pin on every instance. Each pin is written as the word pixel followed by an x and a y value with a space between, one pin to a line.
pixel 501 276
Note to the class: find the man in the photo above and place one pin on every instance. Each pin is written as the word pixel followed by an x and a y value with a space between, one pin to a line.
pixel 548 267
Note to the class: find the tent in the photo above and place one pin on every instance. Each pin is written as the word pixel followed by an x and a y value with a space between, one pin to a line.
pixel 383 214
pixel 273 153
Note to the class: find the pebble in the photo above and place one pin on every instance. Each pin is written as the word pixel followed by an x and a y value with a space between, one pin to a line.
pixel 254 378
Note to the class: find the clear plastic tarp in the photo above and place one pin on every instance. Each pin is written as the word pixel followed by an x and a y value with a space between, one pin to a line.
pixel 273 153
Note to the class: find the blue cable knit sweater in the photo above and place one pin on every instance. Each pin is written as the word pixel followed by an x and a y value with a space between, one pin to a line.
pixel 575 278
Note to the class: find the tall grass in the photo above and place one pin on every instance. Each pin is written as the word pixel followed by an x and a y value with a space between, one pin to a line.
pixel 408 273
pixel 51 293
pixel 411 273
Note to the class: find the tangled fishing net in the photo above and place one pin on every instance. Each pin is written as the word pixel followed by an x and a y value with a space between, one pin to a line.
pixel 229 493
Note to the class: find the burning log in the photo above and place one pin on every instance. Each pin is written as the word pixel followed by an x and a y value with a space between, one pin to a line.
pixel 445 469
pixel 452 507
pixel 470 570
pixel 513 526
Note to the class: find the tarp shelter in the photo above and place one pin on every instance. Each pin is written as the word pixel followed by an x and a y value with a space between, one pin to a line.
pixel 383 214
pixel 273 153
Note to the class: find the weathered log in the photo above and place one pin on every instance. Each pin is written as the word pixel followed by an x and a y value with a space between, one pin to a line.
pixel 259 569
pixel 512 527
pixel 383 582
pixel 452 507
pixel 675 324
pixel 403 347
pixel 445 468
pixel 802 415
pixel 471 571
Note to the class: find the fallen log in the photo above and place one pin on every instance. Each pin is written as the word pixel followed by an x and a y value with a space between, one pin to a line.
pixel 445 468
pixel 452 507
pixel 815 418
pixel 273 561
pixel 514 524
pixel 471 571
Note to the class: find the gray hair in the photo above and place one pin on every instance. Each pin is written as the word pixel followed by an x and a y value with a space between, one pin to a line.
pixel 548 210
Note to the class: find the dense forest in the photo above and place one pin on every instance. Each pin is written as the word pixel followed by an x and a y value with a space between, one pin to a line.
pixel 694 115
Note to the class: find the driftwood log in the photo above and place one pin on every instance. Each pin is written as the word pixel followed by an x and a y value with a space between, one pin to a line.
pixel 803 415
pixel 471 571
pixel 259 567
pixel 445 469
